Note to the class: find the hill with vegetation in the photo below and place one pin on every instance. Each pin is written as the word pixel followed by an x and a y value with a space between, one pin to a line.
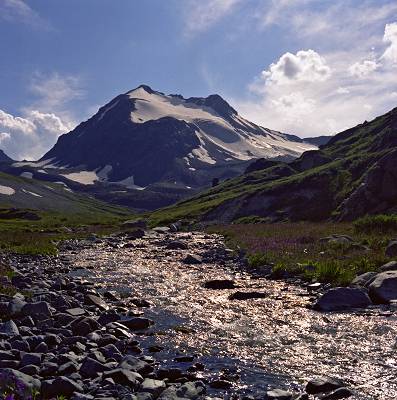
pixel 351 176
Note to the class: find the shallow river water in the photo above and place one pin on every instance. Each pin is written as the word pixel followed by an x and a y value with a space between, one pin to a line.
pixel 273 342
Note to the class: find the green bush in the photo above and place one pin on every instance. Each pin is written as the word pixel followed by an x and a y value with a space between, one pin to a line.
pixel 376 224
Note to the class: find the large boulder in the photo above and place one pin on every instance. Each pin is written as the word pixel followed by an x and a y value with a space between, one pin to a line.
pixel 384 288
pixel 342 298
pixel 26 383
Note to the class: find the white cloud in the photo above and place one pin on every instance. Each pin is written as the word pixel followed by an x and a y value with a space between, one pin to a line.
pixel 30 136
pixel 298 100
pixel 342 90
pixel 201 15
pixel 55 91
pixel 20 11
pixel 361 69
pixel 306 65
pixel 390 37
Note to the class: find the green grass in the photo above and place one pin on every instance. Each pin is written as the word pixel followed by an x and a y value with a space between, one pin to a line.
pixel 41 237
pixel 296 248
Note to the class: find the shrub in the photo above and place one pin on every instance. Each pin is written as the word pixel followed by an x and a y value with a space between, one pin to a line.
pixel 376 224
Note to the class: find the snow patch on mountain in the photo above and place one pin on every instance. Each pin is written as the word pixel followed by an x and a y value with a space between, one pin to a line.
pixel 31 193
pixel 8 191
pixel 83 177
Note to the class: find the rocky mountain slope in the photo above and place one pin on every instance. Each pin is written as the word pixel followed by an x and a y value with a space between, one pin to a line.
pixel 144 137
pixel 352 175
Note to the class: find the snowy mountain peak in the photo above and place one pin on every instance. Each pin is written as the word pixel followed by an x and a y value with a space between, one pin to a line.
pixel 145 136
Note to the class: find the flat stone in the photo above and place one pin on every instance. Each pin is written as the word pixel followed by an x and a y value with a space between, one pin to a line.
pixel 76 312
pixel 248 295
pixel 219 284
pixel 96 301
pixel 137 324
pixel 193 259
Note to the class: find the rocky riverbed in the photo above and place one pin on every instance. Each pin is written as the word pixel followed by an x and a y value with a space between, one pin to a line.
pixel 217 331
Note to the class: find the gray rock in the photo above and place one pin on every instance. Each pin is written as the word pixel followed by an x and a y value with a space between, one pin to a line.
pixel 96 301
pixel 278 394
pixel 140 223
pixel 192 259
pixel 153 386
pixel 363 280
pixel 390 266
pixel 323 385
pixel 39 308
pixel 9 328
pixel 60 386
pixel 135 364
pixel 391 249
pixel 90 368
pixel 342 298
pixel 31 359
pixel 177 245
pixel 15 306
pixel 248 295
pixel 384 288
pixel 137 324
pixel 338 239
pixel 189 390
pixel 30 370
pixel 139 396
pixel 10 376
pixel 6 355
pixel 124 377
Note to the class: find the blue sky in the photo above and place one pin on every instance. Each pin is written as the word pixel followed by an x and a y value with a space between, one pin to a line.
pixel 308 67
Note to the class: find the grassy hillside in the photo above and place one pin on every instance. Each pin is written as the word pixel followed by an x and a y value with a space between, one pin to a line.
pixel 35 215
pixel 345 179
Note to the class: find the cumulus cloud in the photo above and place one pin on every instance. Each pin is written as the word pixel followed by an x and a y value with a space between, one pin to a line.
pixel 35 131
pixel 323 94
pixel 361 69
pixel 31 135
pixel 201 15
pixel 305 65
pixel 390 37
